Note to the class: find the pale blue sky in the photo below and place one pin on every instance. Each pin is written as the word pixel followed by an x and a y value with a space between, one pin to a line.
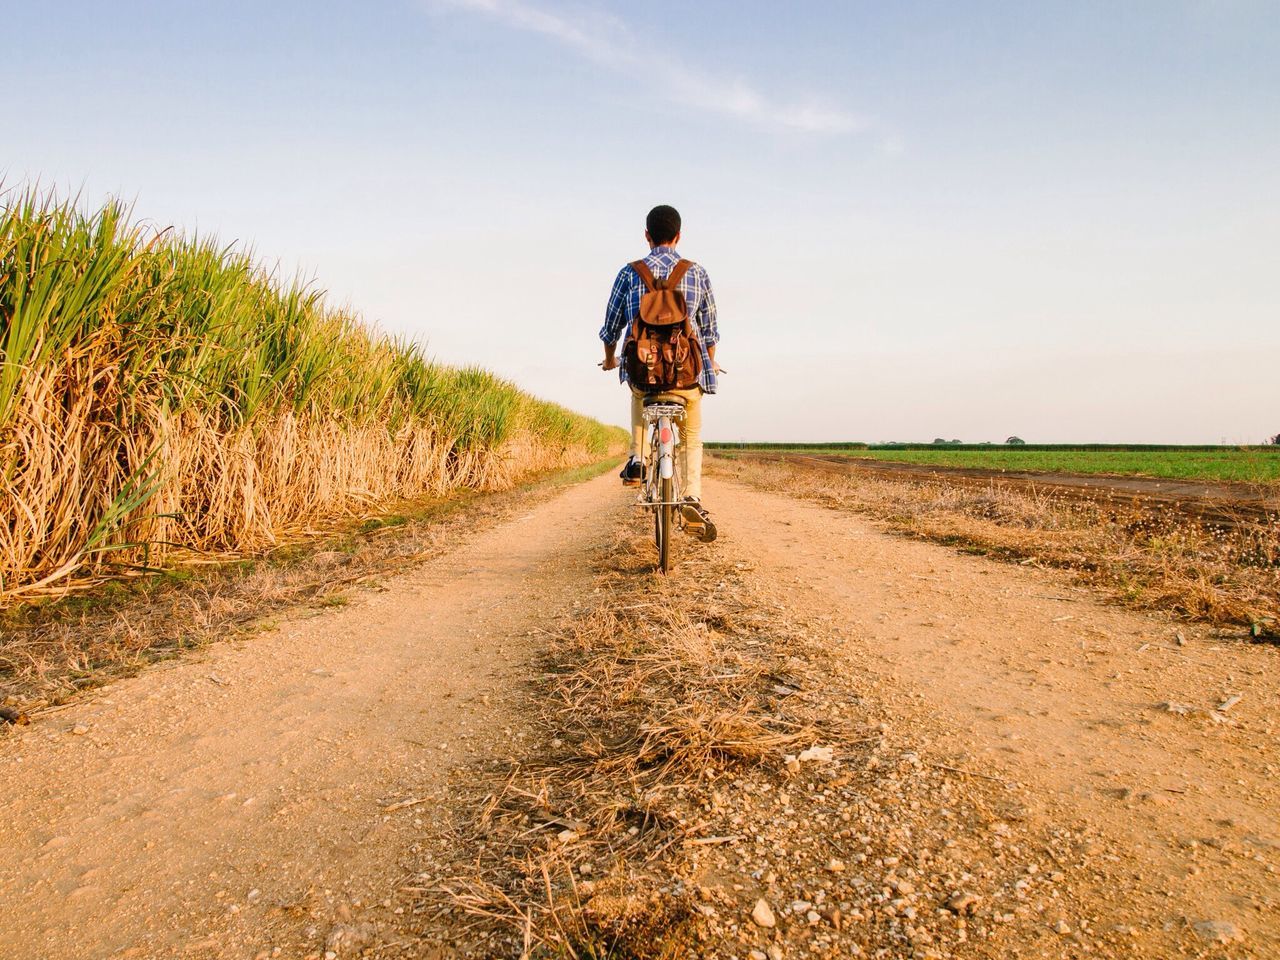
pixel 1060 220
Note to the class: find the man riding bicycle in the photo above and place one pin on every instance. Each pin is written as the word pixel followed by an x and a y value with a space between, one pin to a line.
pixel 623 314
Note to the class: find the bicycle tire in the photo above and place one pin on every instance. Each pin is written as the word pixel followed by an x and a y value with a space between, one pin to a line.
pixel 662 521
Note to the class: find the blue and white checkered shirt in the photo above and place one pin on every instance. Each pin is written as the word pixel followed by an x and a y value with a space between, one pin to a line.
pixel 624 307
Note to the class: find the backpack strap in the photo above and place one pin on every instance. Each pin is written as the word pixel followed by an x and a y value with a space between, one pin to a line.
pixel 645 274
pixel 668 282
pixel 677 274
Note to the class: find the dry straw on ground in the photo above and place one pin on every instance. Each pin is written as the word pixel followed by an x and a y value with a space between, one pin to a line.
pixel 1143 556
pixel 649 697
pixel 697 749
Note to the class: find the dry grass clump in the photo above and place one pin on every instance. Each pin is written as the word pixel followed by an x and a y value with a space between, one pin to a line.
pixel 671 786
pixel 650 698
pixel 162 396
pixel 1145 555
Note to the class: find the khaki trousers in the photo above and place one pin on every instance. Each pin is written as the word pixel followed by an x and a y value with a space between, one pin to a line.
pixel 690 435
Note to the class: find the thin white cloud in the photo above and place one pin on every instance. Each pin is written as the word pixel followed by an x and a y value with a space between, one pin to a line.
pixel 609 42
pixel 892 146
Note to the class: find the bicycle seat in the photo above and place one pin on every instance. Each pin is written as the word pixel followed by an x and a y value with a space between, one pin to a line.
pixel 663 398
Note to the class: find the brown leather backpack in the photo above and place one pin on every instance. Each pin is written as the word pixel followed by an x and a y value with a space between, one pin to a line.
pixel 662 352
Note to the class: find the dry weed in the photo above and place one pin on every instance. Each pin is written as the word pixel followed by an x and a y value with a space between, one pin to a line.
pixel 670 786
pixel 647 700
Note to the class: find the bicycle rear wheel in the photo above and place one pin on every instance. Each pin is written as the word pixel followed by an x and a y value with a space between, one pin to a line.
pixel 663 521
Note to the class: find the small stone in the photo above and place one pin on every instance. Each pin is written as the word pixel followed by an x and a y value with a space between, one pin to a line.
pixel 902 887
pixel 817 755
pixel 835 866
pixel 567 836
pixel 79 730
pixel 762 914
pixel 1061 928
pixel 791 764
pixel 346 939
pixel 813 916
pixel 1219 931
pixel 836 918
pixel 757 955
pixel 775 952
pixel 963 902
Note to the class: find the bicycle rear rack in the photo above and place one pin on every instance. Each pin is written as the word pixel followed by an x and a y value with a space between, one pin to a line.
pixel 654 411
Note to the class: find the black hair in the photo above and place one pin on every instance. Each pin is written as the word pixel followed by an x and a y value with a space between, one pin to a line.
pixel 663 224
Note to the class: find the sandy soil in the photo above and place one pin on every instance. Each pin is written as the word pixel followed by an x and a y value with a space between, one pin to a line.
pixel 1100 710
pixel 242 802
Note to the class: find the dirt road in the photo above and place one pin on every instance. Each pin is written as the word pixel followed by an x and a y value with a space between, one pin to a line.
pixel 242 801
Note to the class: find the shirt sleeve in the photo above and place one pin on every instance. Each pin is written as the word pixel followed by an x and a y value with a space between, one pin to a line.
pixel 615 314
pixel 708 326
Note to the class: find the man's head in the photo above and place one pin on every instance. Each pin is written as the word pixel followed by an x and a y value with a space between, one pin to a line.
pixel 662 226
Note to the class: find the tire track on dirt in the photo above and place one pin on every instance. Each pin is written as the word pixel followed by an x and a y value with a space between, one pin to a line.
pixel 239 802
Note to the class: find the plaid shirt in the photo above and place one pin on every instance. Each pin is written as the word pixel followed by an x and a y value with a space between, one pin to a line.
pixel 624 307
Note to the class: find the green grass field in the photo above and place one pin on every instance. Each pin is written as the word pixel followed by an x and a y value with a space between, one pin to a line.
pixel 1248 465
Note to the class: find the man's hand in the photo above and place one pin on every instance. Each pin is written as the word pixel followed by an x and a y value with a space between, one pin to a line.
pixel 610 361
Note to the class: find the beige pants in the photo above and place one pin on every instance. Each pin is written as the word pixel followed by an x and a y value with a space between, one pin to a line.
pixel 690 436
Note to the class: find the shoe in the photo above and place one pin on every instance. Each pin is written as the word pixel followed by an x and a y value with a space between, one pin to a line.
pixel 633 473
pixel 697 521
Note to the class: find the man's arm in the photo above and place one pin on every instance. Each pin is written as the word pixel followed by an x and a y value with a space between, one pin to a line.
pixel 708 324
pixel 615 317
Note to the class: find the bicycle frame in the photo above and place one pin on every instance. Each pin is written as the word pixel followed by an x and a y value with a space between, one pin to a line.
pixel 661 463
pixel 661 490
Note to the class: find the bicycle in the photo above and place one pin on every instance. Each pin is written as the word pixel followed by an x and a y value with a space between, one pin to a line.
pixel 660 491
